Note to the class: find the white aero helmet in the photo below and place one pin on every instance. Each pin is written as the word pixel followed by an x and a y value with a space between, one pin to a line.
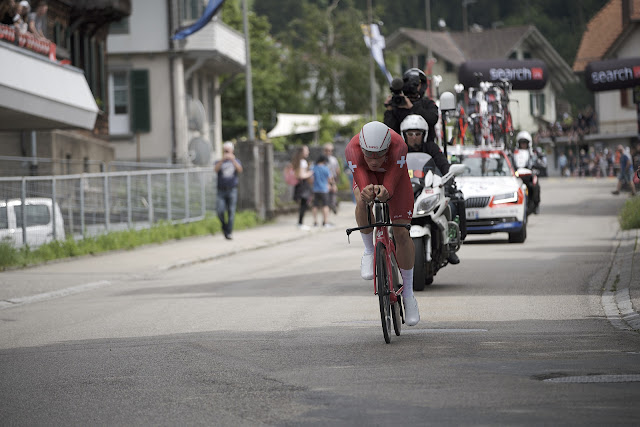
pixel 414 122
pixel 524 135
pixel 375 137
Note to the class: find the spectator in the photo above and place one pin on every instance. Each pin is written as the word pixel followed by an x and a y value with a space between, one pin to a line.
pixel 322 180
pixel 38 20
pixel 334 168
pixel 303 191
pixel 572 163
pixel 227 169
pixel 8 10
pixel 563 164
pixel 21 20
pixel 625 177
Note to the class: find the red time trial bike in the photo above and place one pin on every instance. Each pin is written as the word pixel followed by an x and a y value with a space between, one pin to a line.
pixel 386 277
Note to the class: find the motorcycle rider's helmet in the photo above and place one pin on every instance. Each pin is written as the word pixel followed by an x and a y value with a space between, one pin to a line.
pixel 524 139
pixel 411 78
pixel 374 137
pixel 414 122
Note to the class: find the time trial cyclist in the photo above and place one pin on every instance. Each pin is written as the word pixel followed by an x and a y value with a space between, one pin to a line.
pixel 377 159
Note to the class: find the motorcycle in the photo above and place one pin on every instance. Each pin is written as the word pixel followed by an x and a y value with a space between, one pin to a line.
pixel 434 232
pixel 528 173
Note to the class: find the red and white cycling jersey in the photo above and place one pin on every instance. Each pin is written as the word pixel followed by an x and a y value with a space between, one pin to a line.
pixel 392 174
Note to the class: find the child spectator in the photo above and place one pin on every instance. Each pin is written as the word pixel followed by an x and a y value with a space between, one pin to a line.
pixel 322 182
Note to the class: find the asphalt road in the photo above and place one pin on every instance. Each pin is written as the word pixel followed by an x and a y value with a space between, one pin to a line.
pixel 290 335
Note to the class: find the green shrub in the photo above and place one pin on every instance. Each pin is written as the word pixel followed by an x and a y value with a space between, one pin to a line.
pixel 128 239
pixel 630 214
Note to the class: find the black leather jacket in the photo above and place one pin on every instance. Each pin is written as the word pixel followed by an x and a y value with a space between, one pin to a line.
pixel 424 107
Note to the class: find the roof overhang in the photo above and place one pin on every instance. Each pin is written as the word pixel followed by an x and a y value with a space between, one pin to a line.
pixel 295 124
pixel 36 93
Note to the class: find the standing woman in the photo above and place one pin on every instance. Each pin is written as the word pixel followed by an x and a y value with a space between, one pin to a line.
pixel 303 191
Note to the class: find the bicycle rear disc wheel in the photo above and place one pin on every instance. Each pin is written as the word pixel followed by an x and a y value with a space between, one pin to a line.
pixel 382 283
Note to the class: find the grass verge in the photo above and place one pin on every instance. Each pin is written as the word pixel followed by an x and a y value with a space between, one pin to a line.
pixel 130 239
pixel 630 214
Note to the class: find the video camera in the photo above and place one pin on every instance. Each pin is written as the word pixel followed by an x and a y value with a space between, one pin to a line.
pixel 397 94
pixel 404 87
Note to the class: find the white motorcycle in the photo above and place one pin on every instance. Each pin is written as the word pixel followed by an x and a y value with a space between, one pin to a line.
pixel 435 234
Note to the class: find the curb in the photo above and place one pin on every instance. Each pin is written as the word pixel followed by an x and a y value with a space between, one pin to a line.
pixel 620 286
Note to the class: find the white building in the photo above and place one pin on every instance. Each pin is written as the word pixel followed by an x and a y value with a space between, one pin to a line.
pixel 164 95
pixel 613 34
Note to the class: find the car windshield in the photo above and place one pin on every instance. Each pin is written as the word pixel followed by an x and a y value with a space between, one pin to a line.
pixel 486 164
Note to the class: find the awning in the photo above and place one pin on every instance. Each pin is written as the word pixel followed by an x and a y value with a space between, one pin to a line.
pixel 293 124
pixel 37 93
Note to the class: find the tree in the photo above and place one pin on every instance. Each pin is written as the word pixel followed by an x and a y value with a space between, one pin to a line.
pixel 270 76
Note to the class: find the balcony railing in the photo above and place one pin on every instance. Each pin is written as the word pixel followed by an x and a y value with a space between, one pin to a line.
pixel 28 41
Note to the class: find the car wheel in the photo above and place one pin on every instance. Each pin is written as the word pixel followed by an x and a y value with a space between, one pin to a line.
pixel 519 236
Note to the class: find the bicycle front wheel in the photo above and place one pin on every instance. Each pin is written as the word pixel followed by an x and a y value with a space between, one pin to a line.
pixel 382 284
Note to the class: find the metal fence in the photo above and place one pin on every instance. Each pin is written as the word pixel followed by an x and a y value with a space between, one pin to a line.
pixel 92 204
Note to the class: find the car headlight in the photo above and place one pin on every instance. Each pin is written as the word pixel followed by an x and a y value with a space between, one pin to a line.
pixel 427 203
pixel 505 198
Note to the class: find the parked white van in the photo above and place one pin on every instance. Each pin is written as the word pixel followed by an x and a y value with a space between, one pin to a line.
pixel 39 218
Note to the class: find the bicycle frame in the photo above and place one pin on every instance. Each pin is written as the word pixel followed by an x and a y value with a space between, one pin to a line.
pixel 381 224
pixel 390 301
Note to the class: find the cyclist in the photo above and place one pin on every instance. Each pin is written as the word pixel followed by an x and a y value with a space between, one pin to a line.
pixel 377 158
pixel 414 130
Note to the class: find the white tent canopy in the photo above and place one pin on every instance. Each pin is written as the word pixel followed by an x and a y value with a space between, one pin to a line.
pixel 294 124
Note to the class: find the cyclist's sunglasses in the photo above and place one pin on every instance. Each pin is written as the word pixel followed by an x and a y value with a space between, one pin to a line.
pixel 374 154
pixel 414 133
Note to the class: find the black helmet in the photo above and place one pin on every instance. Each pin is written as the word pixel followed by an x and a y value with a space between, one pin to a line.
pixel 412 77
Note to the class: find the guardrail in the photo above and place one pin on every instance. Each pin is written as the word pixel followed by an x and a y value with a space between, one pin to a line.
pixel 97 203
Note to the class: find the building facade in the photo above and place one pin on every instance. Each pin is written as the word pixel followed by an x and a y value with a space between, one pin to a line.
pixel 52 97
pixel 164 94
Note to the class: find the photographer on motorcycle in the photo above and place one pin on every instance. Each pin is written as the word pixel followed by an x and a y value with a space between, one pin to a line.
pixel 523 158
pixel 414 130
pixel 410 99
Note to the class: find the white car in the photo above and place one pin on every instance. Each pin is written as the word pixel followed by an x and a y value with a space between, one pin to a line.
pixel 495 198
pixel 43 223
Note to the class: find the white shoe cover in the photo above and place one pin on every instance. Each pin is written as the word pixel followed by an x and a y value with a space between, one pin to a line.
pixel 366 267
pixel 411 313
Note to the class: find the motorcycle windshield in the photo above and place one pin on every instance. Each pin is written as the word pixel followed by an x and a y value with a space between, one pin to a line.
pixel 419 163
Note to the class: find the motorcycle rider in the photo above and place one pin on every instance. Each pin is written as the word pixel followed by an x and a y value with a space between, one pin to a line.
pixel 523 158
pixel 414 130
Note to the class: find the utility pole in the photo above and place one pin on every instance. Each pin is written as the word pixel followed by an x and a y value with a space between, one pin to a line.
pixel 427 7
pixel 249 82
pixel 465 24
pixel 372 77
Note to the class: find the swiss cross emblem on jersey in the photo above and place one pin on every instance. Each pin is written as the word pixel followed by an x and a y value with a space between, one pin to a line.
pixel 402 161
pixel 352 167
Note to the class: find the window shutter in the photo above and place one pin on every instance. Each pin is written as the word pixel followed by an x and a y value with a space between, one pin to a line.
pixel 542 104
pixel 140 105
pixel 532 104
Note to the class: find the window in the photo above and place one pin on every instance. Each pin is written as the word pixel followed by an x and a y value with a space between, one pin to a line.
pixel 626 98
pixel 129 106
pixel 36 215
pixel 120 27
pixel 448 67
pixel 121 92
pixel 190 10
pixel 4 221
pixel 536 104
